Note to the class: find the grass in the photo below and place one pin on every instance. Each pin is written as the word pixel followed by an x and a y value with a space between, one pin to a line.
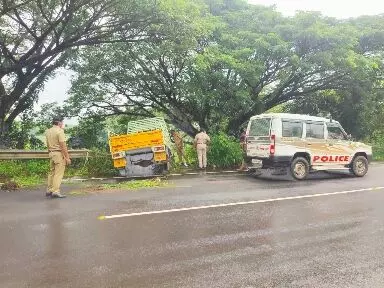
pixel 31 173
pixel 378 153
pixel 122 186
pixel 29 181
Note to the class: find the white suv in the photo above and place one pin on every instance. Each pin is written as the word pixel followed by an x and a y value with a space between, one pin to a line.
pixel 302 144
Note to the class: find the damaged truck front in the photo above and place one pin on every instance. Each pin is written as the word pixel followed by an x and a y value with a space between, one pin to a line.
pixel 144 151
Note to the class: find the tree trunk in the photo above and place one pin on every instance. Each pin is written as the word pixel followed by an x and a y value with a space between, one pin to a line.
pixel 4 130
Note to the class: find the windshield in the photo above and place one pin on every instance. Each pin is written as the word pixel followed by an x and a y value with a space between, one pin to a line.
pixel 335 132
pixel 260 127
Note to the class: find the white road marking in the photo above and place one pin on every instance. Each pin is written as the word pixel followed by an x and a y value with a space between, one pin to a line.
pixel 239 203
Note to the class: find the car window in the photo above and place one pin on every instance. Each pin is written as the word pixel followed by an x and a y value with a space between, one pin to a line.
pixel 335 132
pixel 260 127
pixel 292 129
pixel 315 130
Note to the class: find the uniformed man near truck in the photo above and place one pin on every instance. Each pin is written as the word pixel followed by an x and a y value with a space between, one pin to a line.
pixel 58 155
pixel 243 145
pixel 200 143
pixel 179 143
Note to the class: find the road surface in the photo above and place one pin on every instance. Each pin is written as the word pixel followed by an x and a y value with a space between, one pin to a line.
pixel 205 231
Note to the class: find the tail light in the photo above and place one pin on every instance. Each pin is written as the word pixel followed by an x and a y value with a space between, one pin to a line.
pixel 272 146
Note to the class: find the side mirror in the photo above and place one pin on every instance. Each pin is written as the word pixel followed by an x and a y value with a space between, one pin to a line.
pixel 349 137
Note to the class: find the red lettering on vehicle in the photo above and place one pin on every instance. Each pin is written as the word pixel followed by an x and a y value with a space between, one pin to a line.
pixel 324 159
pixel 331 158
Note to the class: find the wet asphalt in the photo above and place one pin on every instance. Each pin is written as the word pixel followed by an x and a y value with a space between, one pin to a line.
pixel 328 241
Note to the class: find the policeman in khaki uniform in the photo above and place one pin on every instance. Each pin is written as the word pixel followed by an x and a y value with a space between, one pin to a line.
pixel 179 143
pixel 201 142
pixel 58 155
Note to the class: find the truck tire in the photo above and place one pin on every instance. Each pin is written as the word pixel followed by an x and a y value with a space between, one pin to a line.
pixel 299 168
pixel 359 166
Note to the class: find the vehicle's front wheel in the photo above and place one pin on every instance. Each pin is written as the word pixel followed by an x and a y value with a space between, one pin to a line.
pixel 299 168
pixel 360 166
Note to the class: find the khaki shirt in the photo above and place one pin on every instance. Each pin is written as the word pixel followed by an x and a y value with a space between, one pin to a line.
pixel 202 138
pixel 54 136
pixel 178 139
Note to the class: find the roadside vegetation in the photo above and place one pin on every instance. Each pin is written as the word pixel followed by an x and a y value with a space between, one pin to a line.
pixel 133 185
pixel 197 63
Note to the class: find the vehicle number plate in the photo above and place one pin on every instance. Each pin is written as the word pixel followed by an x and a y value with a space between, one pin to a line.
pixel 257 162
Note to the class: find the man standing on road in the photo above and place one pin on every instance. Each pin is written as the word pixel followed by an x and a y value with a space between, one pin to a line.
pixel 58 155
pixel 243 137
pixel 200 143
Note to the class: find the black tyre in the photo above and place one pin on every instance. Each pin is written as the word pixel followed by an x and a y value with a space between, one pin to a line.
pixel 359 166
pixel 299 168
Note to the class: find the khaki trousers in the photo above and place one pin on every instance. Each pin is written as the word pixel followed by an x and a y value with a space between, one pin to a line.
pixel 180 154
pixel 202 155
pixel 56 172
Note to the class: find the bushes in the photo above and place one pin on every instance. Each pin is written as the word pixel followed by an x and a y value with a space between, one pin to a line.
pixel 23 172
pixel 99 164
pixel 224 152
pixel 377 140
pixel 19 168
pixel 32 172
pixel 378 152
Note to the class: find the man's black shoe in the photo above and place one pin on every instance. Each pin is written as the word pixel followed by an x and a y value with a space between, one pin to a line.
pixel 48 194
pixel 55 195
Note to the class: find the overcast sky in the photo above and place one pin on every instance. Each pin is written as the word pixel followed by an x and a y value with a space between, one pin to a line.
pixel 334 8
pixel 56 88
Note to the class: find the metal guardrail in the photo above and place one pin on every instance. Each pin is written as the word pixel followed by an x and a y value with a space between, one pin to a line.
pixel 37 154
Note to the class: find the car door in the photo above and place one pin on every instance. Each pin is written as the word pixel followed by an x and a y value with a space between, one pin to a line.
pixel 339 150
pixel 292 136
pixel 315 141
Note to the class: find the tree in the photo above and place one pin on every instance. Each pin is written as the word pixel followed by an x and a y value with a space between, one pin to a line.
pixel 254 59
pixel 37 37
pixel 144 79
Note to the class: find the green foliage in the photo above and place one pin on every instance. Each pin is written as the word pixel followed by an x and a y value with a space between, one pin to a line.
pixel 223 152
pixel 91 133
pixel 23 133
pixel 24 172
pixel 136 184
pixel 14 168
pixel 122 186
pixel 99 164
pixel 34 172
pixel 378 152
pixel 377 140
pixel 38 37
pixel 191 155
pixel 226 66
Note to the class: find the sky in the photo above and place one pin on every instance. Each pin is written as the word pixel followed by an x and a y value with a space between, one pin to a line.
pixel 333 8
pixel 56 89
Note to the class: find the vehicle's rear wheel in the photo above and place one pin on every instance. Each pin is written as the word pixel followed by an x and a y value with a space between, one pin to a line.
pixel 299 168
pixel 360 166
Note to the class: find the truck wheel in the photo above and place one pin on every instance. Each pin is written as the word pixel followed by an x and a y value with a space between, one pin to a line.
pixel 360 166
pixel 299 168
